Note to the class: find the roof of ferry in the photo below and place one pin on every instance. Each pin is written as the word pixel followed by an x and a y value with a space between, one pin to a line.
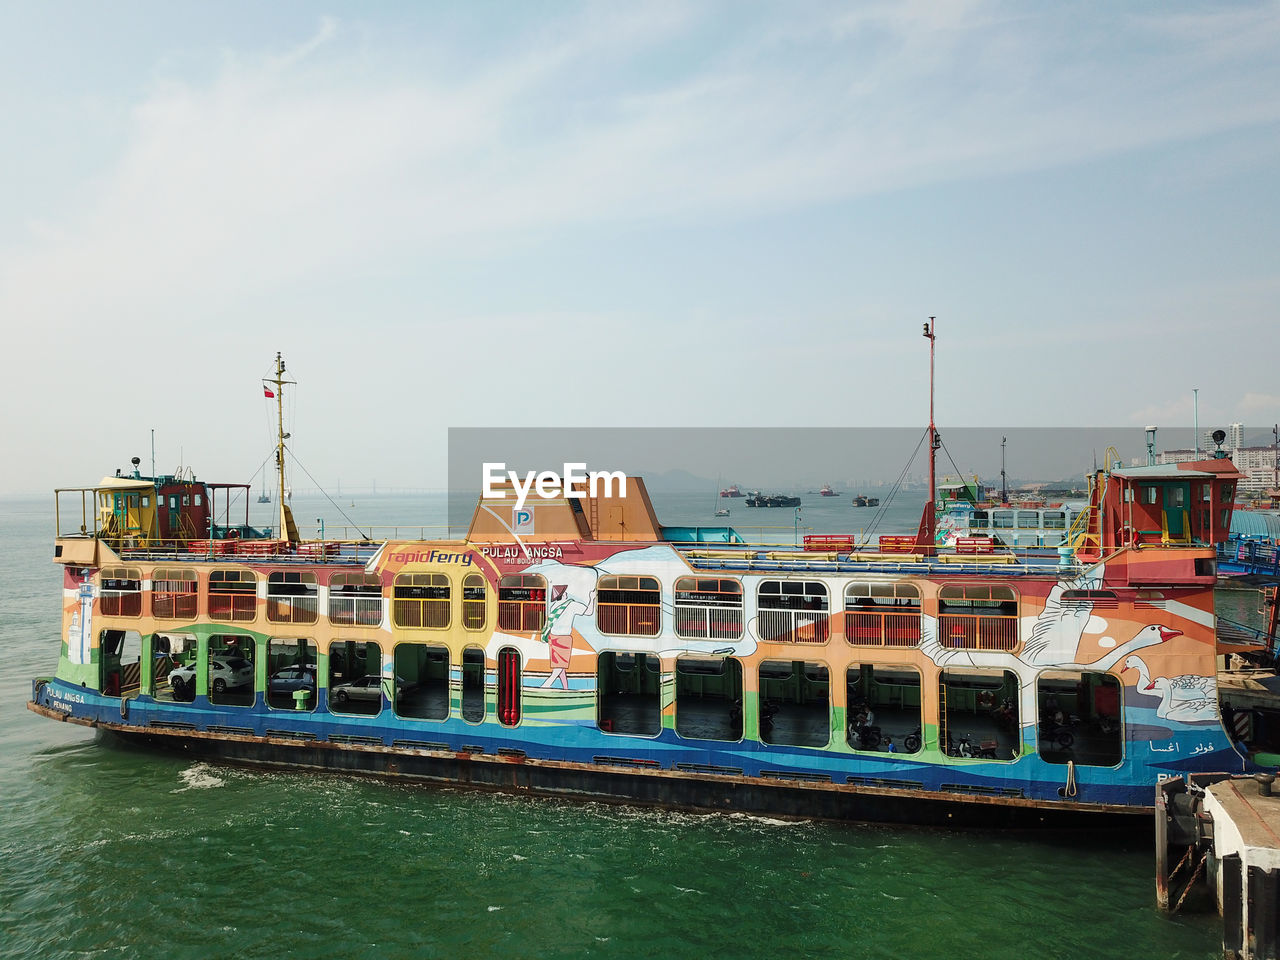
pixel 1179 471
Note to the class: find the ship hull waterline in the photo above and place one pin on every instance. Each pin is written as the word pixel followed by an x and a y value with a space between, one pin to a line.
pixel 607 783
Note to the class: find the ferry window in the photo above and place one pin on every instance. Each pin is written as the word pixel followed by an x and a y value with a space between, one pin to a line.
pixel 233 594
pixel 1226 518
pixel 1055 520
pixel 1028 520
pixel 1177 496
pixel 509 682
pixel 291 597
pixel 522 602
pixel 121 592
pixel 1128 494
pixel 292 674
pixel 884 614
pixel 230 658
pixel 356 683
pixel 980 715
pixel 425 671
pixel 120 661
pixel 709 698
pixel 355 599
pixel 173 502
pixel 629 688
pixel 1002 519
pixel 421 600
pixel 173 666
pixel 1206 492
pixel 1079 718
pixel 794 703
pixel 978 616
pixel 793 610
pixel 708 608
pixel 198 499
pixel 174 594
pixel 1149 495
pixel 1228 492
pixel 980 519
pixel 474 592
pixel 629 605
pixel 883 712
pixel 473 705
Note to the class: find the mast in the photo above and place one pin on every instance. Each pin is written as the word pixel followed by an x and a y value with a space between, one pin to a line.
pixel 288 531
pixel 1004 485
pixel 928 522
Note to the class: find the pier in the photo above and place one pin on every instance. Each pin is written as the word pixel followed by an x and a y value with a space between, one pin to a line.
pixel 1218 844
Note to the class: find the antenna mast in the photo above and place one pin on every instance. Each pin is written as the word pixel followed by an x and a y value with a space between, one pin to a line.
pixel 1004 486
pixel 287 529
pixel 925 539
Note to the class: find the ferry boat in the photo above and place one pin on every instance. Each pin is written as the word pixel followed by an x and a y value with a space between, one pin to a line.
pixel 595 653
pixel 732 491
pixel 826 491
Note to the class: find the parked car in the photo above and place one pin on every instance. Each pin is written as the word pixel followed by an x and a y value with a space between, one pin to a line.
pixel 224 674
pixel 364 688
pixel 289 679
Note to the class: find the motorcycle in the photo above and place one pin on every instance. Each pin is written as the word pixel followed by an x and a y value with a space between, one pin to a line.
pixel 964 747
pixel 911 742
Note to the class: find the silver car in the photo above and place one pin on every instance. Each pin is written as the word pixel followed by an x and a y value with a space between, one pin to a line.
pixel 368 687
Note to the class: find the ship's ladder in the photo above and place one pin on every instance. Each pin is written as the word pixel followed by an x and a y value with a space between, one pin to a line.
pixel 1085 535
pixel 942 716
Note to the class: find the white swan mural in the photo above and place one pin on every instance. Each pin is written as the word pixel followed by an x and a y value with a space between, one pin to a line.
pixel 1046 655
pixel 1188 698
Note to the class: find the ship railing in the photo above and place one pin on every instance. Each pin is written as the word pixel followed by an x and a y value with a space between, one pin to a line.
pixel 795 626
pixel 292 609
pixel 355 611
pixel 231 607
pixel 522 616
pixel 708 623
pixel 629 619
pixel 978 631
pixel 888 628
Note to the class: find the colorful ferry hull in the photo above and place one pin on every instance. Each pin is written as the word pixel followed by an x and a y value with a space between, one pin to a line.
pixel 531 656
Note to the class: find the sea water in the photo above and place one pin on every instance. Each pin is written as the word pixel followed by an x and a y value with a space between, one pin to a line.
pixel 110 851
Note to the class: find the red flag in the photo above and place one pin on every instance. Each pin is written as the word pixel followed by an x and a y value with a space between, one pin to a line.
pixel 266 392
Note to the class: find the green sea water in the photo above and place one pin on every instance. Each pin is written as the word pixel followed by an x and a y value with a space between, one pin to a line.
pixel 107 851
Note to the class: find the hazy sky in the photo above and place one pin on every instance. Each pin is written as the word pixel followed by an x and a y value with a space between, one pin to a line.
pixel 647 214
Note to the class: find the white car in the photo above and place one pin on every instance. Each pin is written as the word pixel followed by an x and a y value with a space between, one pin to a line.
pixel 224 674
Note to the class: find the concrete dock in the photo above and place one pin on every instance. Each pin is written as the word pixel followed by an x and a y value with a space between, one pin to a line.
pixel 1221 834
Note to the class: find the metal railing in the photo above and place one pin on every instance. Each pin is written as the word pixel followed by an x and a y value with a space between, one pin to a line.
pixel 522 616
pixel 795 626
pixel 363 611
pixel 629 619
pixel 978 631
pixel 708 623
pixel 887 628
pixel 292 609
pixel 431 614
pixel 232 606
